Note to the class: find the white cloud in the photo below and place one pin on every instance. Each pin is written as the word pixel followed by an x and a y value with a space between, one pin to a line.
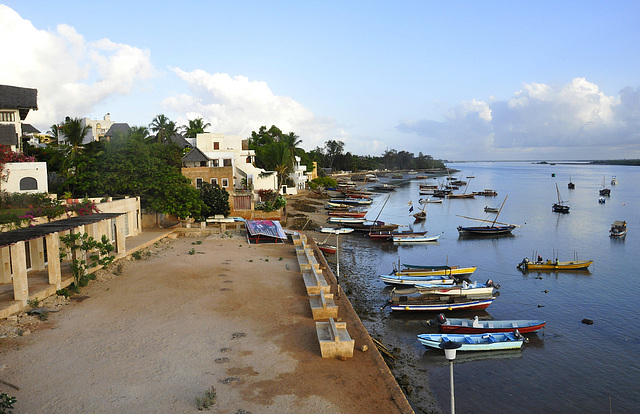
pixel 573 120
pixel 237 105
pixel 71 74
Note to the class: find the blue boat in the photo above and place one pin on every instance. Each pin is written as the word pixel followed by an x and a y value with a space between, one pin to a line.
pixel 475 342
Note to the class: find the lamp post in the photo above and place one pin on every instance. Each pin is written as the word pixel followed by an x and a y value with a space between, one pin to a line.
pixel 450 353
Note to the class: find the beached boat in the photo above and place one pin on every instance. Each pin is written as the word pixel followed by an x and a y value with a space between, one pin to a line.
pixel 618 229
pixel 435 303
pixel 336 230
pixel 351 201
pixel 475 342
pixel 413 280
pixel 355 214
pixel 526 264
pixel 414 239
pixel 495 229
pixel 448 271
pixel 346 220
pixel 464 289
pixel 327 248
pixel 475 326
pixel 373 226
pixel 560 206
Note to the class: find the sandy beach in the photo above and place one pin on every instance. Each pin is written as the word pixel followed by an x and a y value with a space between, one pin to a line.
pixel 191 316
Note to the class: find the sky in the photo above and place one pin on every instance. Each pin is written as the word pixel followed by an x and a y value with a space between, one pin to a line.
pixel 458 80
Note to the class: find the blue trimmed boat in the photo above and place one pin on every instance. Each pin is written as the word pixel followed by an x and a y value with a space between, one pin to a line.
pixel 475 342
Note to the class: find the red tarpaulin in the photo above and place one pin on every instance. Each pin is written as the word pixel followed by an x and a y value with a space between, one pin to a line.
pixel 266 231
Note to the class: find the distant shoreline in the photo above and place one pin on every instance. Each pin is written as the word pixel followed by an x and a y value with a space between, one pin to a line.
pixel 632 162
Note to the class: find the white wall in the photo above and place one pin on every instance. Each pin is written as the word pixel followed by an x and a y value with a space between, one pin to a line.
pixel 15 172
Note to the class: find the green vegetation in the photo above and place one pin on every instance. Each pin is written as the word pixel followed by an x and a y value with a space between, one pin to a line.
pixel 617 162
pixel 207 401
pixel 215 199
pixel 324 182
pixel 270 201
pixel 82 245
pixel 6 403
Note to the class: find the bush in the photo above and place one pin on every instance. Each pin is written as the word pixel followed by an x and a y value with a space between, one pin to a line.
pixel 324 182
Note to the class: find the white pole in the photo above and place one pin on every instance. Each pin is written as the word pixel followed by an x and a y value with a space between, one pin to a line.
pixel 453 401
pixel 337 254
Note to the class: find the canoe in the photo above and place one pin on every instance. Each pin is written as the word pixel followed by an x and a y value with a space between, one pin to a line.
pixel 554 265
pixel 471 326
pixel 475 342
pixel 415 239
pixel 412 280
pixel 449 271
pixel 464 289
pixel 434 303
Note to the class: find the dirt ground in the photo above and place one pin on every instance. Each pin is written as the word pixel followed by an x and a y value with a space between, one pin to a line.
pixel 191 318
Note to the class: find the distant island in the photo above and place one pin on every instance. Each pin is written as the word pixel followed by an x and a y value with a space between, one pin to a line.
pixel 597 162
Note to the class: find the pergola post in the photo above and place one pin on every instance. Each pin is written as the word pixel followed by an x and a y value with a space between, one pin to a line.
pixel 53 253
pixel 20 281
pixel 5 265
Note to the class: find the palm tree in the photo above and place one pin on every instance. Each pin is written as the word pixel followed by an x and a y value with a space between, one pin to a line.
pixel 163 127
pixel 54 131
pixel 195 127
pixel 139 133
pixel 74 133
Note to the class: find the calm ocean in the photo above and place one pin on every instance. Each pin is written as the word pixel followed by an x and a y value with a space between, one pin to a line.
pixel 569 366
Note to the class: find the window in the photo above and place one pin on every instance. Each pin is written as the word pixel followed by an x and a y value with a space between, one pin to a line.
pixel 227 162
pixel 216 145
pixel 214 181
pixel 225 182
pixel 216 163
pixel 7 116
pixel 203 163
pixel 249 159
pixel 28 183
pixel 198 182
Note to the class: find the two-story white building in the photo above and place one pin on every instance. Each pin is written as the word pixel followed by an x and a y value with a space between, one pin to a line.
pixel 15 104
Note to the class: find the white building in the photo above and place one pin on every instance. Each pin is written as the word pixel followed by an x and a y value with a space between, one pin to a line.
pixel 299 176
pixel 25 177
pixel 15 104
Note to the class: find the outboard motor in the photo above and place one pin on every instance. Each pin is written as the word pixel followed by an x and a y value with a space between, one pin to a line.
pixel 491 283
pixel 523 263
pixel 441 318
pixel 518 335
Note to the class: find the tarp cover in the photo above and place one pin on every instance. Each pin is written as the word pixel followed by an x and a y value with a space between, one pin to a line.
pixel 267 228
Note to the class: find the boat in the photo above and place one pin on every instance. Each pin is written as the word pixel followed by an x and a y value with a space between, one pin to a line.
pixel 571 185
pixel 413 280
pixel 373 226
pixel 475 326
pixel 462 195
pixel 526 264
pixel 618 229
pixel 488 209
pixel 464 289
pixel 475 342
pixel 389 235
pixel 560 206
pixel 601 200
pixel 614 180
pixel 420 215
pixel 495 229
pixel 486 192
pixel 336 230
pixel 428 201
pixel 435 303
pixel 604 191
pixel 449 271
pixel 327 248
pixel 346 220
pixel 351 200
pixel 355 214
pixel 415 239
pixel 384 187
pixel 371 178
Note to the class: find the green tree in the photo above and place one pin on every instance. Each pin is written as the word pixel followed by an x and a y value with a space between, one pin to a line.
pixel 333 149
pixel 195 127
pixel 216 199
pixel 163 127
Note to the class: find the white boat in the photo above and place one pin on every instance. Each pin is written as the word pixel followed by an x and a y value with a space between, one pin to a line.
pixel 465 289
pixel 346 220
pixel 429 201
pixel 475 342
pixel 334 230
pixel 413 280
pixel 414 239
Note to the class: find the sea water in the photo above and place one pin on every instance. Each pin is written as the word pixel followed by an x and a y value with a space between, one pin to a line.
pixel 569 366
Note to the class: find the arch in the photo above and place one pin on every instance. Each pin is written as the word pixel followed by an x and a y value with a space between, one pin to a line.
pixel 28 183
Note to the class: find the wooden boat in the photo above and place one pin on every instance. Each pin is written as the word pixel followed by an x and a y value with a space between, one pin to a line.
pixel 474 326
pixel 415 239
pixel 345 220
pixel 500 229
pixel 421 215
pixel 488 209
pixel 487 192
pixel 413 280
pixel 351 200
pixel 618 229
pixel 571 185
pixel 384 187
pixel 435 303
pixel 463 195
pixel 604 191
pixel 373 226
pixel 338 206
pixel 354 214
pixel 560 206
pixel 448 271
pixel 389 235
pixel 464 289
pixel 336 230
pixel 327 248
pixel 554 265
pixel 475 342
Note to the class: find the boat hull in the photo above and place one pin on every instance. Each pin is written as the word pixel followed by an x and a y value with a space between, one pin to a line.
pixel 460 271
pixel 467 326
pixel 412 281
pixel 414 239
pixel 431 305
pixel 485 230
pixel 456 290
pixel 484 342
pixel 575 265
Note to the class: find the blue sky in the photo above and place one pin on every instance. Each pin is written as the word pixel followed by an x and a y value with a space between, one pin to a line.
pixel 460 80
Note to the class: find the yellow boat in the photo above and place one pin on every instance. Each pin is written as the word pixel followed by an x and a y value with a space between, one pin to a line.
pixel 554 265
pixel 449 271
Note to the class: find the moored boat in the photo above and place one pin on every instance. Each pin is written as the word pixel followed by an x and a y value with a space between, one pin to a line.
pixel 526 264
pixel 448 271
pixel 413 280
pixel 618 229
pixel 474 326
pixel 435 303
pixel 560 206
pixel 488 209
pixel 475 342
pixel 336 230
pixel 465 289
pixel 415 239
pixel 495 229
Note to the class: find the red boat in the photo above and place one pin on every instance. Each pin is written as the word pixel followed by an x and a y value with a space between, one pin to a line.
pixel 474 326
pixel 327 248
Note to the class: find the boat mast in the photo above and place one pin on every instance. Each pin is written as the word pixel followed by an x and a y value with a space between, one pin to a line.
pixel 494 220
